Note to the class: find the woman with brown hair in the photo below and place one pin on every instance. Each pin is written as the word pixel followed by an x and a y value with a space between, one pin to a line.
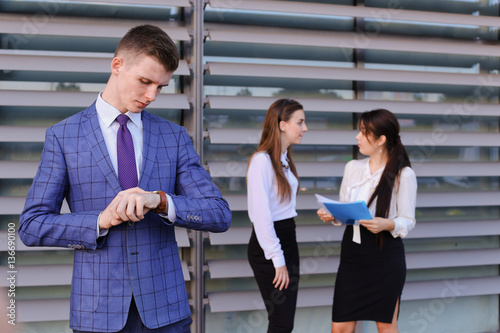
pixel 372 268
pixel 272 185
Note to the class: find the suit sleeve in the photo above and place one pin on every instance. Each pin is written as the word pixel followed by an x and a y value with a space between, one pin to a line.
pixel 198 202
pixel 41 222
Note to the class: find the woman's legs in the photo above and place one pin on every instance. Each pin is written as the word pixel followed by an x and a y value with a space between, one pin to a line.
pixel 392 327
pixel 280 304
pixel 343 327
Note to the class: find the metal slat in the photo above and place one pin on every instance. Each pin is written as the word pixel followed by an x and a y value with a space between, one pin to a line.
pixel 234 268
pixel 11 205
pixel 336 169
pixel 58 309
pixel 427 141
pixel 18 169
pixel 78 99
pixel 451 110
pixel 181 236
pixel 252 300
pixel 457 169
pixel 27 169
pixel 41 275
pixel 79 27
pixel 322 296
pixel 42 310
pixel 352 74
pixel 383 15
pixel 322 233
pixel 304 169
pixel 22 134
pixel 162 3
pixel 305 234
pixel 238 202
pixel 450 229
pixel 351 40
pixel 54 275
pixel 51 61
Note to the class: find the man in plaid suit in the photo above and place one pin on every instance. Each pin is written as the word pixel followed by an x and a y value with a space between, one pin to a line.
pixel 127 274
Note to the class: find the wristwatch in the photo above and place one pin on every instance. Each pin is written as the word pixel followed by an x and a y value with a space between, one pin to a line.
pixel 163 202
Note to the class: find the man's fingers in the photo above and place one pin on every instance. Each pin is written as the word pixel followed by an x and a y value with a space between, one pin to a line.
pixel 133 190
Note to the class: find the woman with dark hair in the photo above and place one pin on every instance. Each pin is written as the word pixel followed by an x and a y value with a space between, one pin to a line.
pixel 272 185
pixel 372 268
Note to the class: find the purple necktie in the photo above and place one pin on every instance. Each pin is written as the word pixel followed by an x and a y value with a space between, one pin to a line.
pixel 127 170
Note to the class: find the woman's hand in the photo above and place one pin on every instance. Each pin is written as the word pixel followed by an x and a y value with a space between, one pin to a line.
pixel 324 216
pixel 281 278
pixel 378 224
pixel 327 218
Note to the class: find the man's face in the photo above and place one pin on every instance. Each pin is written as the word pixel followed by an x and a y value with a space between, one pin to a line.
pixel 138 82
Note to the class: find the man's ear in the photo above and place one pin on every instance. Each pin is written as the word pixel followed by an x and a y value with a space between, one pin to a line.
pixel 116 65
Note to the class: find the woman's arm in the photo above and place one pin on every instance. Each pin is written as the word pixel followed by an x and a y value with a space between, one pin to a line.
pixel 259 186
pixel 406 202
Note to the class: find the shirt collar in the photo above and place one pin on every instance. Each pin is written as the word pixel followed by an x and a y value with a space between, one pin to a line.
pixel 108 113
pixel 284 158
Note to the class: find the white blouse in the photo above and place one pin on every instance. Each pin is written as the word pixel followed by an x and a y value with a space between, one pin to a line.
pixel 264 206
pixel 359 184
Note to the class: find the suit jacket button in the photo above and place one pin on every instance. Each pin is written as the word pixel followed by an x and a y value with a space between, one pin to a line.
pixel 131 224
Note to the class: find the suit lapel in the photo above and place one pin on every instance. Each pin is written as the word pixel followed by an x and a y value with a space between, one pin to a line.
pixel 93 134
pixel 150 146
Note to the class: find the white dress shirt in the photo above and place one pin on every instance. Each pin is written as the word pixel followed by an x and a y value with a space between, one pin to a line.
pixel 359 184
pixel 109 126
pixel 264 205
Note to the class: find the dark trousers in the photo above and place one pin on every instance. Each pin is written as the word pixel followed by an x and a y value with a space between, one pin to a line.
pixel 134 324
pixel 280 305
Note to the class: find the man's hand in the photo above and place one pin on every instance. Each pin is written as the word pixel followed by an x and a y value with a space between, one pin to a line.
pixel 128 205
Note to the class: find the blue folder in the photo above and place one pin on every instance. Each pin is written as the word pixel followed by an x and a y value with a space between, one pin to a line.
pixel 345 212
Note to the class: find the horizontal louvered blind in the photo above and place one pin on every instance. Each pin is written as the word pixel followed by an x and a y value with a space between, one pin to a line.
pixel 54 59
pixel 435 66
pixel 442 85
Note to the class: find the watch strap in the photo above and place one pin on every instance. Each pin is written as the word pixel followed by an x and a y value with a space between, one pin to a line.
pixel 163 202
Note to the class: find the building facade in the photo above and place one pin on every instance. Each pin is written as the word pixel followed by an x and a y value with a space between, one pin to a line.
pixel 433 63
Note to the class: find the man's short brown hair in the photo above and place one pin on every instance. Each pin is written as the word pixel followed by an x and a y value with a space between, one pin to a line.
pixel 152 41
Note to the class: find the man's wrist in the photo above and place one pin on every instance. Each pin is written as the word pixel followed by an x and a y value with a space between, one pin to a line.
pixel 163 202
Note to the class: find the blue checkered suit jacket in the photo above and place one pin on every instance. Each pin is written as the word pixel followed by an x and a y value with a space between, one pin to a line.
pixel 142 259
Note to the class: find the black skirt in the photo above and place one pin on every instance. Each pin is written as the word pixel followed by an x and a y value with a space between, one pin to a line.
pixel 370 277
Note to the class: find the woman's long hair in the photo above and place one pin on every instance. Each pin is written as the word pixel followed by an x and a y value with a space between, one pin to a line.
pixel 377 123
pixel 270 142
